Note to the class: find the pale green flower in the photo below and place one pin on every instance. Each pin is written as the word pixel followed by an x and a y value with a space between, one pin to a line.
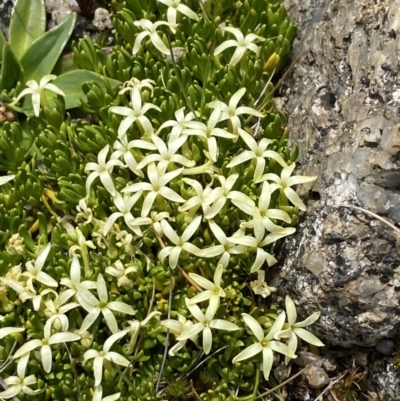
pixel 226 247
pixel 181 242
pixel 174 6
pixel 121 274
pixel 19 383
pixel 248 206
pixel 241 43
pixel 136 113
pixel 285 182
pixel 157 186
pixel 100 356
pixel 257 151
pixel 34 269
pixel 37 91
pixel 177 125
pixel 44 345
pixel 198 200
pixel 10 331
pixel 95 306
pixel 167 153
pixel 220 195
pixel 177 327
pixel 264 344
pixel 150 29
pixel 292 330
pixel 208 132
pixel 259 242
pixel 103 170
pixel 124 206
pixel 231 111
pixel 213 290
pixel 206 322
pixel 260 287
pixel 123 148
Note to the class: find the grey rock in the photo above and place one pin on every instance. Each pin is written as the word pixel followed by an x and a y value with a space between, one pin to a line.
pixel 361 358
pixel 316 377
pixel 281 373
pixel 102 20
pixel 385 379
pixel 6 7
pixel 385 347
pixel 304 358
pixel 329 363
pixel 60 9
pixel 343 103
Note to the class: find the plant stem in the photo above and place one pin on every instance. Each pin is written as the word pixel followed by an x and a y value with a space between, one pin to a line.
pixel 86 261
pixel 256 385
pixel 166 338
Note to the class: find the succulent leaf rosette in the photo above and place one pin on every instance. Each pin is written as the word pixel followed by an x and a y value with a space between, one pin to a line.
pixel 137 233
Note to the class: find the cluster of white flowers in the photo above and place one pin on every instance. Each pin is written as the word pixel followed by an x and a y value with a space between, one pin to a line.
pixel 160 159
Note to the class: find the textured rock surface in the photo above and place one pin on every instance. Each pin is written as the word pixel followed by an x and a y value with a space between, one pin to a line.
pixel 344 111
pixel 5 14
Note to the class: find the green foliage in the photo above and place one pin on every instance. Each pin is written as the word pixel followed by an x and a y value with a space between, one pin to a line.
pixel 151 193
pixel 33 54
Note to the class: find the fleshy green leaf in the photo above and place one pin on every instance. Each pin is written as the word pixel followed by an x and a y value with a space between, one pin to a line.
pixel 71 83
pixel 28 23
pixel 11 71
pixel 40 59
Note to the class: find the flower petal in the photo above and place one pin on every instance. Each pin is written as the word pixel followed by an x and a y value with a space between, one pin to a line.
pixel 110 320
pixel 254 326
pixel 308 337
pixel 191 331
pixel 41 259
pixel 46 357
pixel 117 358
pixel 112 339
pixel 220 324
pixel 90 319
pixel 45 279
pixel 207 340
pixel 249 352
pixel 121 307
pixel 65 337
pixel 98 370
pixel 268 359
pixel 27 347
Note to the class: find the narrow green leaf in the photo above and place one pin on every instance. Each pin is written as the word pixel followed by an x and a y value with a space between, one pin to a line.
pixel 71 84
pixel 28 23
pixel 11 71
pixel 41 57
pixel 2 44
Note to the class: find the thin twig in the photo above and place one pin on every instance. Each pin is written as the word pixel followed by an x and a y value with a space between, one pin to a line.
pixel 280 82
pixel 8 360
pixel 195 393
pixel 284 382
pixel 382 219
pixel 73 367
pixel 166 338
pixel 205 360
pixel 331 384
pixel 153 295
